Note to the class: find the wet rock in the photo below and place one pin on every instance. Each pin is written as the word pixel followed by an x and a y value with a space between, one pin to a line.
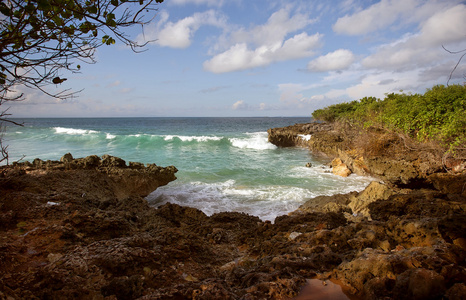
pixel 101 239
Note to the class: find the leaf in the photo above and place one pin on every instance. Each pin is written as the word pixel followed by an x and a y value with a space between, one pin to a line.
pixel 5 10
pixel 92 9
pixel 44 5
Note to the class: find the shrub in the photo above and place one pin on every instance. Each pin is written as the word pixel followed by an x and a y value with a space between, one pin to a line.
pixel 437 115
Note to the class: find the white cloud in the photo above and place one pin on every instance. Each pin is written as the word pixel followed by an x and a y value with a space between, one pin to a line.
pixel 265 44
pixel 180 34
pixel 240 105
pixel 277 27
pixel 445 27
pixel 385 13
pixel 240 57
pixel 334 61
pixel 423 49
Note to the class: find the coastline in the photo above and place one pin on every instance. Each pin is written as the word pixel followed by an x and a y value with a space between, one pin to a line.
pixel 69 231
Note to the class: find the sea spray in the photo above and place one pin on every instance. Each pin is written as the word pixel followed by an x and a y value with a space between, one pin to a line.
pixel 225 164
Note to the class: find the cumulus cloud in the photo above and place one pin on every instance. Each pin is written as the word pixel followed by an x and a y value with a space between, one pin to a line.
pixel 240 57
pixel 385 13
pixel 266 44
pixel 180 34
pixel 377 16
pixel 334 61
pixel 240 105
pixel 424 48
pixel 279 25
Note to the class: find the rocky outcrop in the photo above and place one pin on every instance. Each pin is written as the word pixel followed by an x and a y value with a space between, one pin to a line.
pixel 69 230
pixel 110 173
pixel 367 152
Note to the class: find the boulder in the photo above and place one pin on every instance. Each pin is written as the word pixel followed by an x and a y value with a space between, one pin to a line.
pixel 419 284
pixel 339 168
pixel 373 192
pixel 449 183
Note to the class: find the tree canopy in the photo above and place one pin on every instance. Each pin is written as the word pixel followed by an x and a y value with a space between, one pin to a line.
pixel 39 38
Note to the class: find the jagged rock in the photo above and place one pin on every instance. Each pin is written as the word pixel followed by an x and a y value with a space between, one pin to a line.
pixel 89 162
pixel 339 168
pixel 67 158
pixel 419 284
pixel 449 183
pixel 392 170
pixel 373 192
pixel 334 203
pixel 82 229
pixel 112 161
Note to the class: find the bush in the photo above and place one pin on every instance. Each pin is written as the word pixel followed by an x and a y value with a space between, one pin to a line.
pixel 437 115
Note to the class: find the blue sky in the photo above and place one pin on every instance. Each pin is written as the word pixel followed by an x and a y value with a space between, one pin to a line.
pixel 265 58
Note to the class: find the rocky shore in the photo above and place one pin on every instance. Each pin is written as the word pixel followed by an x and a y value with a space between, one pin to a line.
pixel 81 229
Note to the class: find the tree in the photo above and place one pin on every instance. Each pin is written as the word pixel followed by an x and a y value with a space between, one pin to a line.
pixel 39 38
pixel 457 63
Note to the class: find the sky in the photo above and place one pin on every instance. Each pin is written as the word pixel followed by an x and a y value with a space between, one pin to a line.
pixel 237 58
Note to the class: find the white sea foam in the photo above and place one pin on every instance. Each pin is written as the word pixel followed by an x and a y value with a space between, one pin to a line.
pixel 266 202
pixel 192 138
pixel 305 137
pixel 110 136
pixel 256 140
pixel 73 131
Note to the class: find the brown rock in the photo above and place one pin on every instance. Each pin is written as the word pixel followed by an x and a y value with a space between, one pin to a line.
pixel 373 192
pixel 419 284
pixel 339 168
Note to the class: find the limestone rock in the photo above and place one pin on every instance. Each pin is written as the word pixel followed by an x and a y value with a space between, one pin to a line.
pixel 373 192
pixel 67 158
pixel 419 284
pixel 449 183
pixel 339 168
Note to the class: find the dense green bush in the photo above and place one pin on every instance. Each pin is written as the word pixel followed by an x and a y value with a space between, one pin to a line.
pixel 439 114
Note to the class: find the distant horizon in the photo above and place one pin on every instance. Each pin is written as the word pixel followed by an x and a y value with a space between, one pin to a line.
pixel 206 117
pixel 240 58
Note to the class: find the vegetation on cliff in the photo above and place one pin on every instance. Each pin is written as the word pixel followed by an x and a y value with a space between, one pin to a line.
pixel 438 115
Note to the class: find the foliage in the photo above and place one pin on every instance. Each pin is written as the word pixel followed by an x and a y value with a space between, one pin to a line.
pixel 439 114
pixel 40 37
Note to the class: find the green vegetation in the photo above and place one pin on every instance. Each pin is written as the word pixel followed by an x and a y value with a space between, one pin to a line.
pixel 41 38
pixel 437 115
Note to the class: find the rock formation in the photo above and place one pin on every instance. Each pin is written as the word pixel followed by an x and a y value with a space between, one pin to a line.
pixel 81 229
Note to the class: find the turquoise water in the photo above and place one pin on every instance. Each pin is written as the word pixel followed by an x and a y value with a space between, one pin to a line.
pixel 225 164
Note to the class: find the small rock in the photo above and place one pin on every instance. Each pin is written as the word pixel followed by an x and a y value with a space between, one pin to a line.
pixel 294 235
pixel 339 168
pixel 67 158
pixel 308 165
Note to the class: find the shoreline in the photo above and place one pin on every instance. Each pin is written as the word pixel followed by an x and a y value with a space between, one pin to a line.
pixel 69 232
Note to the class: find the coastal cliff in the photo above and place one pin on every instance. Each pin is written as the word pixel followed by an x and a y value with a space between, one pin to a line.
pixel 392 157
pixel 81 229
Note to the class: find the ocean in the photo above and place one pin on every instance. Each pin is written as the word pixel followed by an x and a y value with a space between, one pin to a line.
pixel 225 164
